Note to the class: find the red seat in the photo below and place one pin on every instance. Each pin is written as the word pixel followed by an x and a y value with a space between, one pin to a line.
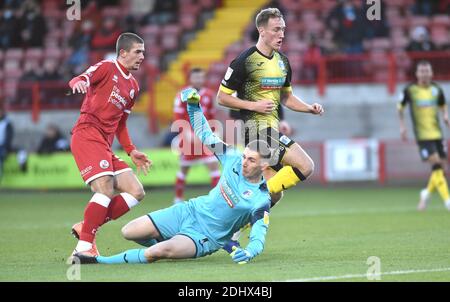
pixel 188 22
pixel 169 42
pixel 381 44
pixel 53 53
pixel 443 20
pixel 207 4
pixel 415 21
pixel 171 29
pixel 14 54
pixel 34 54
pixel 112 11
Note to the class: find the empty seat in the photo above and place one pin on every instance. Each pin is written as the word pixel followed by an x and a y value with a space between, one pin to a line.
pixel 443 20
pixel 188 22
pixel 415 21
pixel 33 54
pixel 381 44
pixel 112 11
pixel 14 54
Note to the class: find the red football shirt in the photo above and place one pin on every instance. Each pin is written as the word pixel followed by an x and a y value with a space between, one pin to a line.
pixel 111 95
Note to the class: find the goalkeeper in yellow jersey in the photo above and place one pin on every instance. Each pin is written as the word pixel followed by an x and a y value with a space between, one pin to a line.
pixel 426 99
pixel 260 76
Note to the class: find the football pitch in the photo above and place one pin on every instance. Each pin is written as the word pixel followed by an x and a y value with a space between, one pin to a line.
pixel 315 234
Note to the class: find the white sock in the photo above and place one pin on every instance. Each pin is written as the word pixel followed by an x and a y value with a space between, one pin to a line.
pixel 177 200
pixel 83 246
pixel 447 204
pixel 236 235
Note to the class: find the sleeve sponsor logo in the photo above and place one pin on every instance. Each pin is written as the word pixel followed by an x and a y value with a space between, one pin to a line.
pixel 228 73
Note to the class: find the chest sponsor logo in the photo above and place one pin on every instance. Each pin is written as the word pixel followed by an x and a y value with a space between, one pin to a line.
pixel 272 82
pixel 228 194
pixel 116 99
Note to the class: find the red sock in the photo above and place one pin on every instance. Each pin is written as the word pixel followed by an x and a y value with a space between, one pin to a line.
pixel 214 181
pixel 117 207
pixel 94 216
pixel 179 186
pixel 215 177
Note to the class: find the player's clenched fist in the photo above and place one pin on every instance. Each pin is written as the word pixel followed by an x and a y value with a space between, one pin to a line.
pixel 316 109
pixel 141 160
pixel 80 87
pixel 190 95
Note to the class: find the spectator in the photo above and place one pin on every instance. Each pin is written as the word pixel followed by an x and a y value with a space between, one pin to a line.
pixel 31 72
pixel 420 40
pixel 327 44
pixel 377 28
pixel 8 29
pixel 164 11
pixel 425 7
pixel 106 37
pixel 80 43
pixel 311 59
pixel 6 136
pixel 53 141
pixel 347 22
pixel 51 72
pixel 32 24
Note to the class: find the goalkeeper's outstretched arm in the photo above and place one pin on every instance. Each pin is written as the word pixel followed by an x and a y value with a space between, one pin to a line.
pixel 260 224
pixel 199 123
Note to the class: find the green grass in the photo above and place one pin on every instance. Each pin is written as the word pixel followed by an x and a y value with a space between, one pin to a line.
pixel 314 232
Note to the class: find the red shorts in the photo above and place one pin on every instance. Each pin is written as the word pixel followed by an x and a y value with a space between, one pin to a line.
pixel 94 156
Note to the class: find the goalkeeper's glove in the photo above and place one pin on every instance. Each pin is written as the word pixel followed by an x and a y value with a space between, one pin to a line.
pixel 190 95
pixel 240 255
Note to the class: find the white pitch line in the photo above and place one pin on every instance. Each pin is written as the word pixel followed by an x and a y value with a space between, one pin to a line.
pixel 352 276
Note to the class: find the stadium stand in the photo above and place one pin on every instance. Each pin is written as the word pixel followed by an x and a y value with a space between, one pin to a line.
pixel 169 25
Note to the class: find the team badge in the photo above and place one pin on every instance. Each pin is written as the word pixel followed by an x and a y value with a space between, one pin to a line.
pixel 132 93
pixel 434 91
pixel 247 193
pixel 104 164
pixel 281 64
pixel 115 79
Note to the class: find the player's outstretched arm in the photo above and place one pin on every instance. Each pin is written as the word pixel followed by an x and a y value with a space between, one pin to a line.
pixel 199 123
pixel 295 104
pixel 254 247
pixel 257 238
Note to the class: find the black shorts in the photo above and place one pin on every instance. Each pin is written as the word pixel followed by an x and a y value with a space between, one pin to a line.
pixel 427 148
pixel 275 140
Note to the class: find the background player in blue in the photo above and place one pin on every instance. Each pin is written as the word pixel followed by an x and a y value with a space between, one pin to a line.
pixel 205 224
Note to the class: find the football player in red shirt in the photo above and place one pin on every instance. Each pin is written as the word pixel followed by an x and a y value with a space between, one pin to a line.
pixel 192 150
pixel 111 91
